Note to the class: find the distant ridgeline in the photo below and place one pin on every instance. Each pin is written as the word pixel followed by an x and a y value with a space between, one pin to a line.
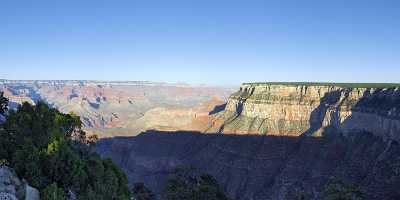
pixel 307 108
pixel 81 82
pixel 110 108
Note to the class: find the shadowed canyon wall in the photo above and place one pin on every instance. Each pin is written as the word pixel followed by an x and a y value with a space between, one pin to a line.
pixel 262 167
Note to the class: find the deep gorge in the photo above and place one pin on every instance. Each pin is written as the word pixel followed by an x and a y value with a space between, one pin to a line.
pixel 275 141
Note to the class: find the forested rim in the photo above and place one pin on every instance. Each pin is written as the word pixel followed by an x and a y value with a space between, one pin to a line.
pixel 50 150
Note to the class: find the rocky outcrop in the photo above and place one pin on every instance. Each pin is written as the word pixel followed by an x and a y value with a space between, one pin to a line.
pixel 294 109
pixel 12 188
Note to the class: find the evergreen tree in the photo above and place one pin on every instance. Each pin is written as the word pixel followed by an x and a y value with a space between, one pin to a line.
pixel 53 192
pixel 49 150
pixel 140 192
pixel 3 103
pixel 338 190
pixel 188 184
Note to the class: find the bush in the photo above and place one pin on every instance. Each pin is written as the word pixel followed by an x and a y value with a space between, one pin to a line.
pixel 140 192
pixel 3 103
pixel 52 192
pixel 338 190
pixel 49 150
pixel 188 184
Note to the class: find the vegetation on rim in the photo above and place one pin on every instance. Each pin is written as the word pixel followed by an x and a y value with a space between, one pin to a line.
pixel 344 85
pixel 49 150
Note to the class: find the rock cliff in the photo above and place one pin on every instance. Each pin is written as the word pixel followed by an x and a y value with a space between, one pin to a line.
pixel 121 108
pixel 293 109
pixel 265 151
pixel 12 188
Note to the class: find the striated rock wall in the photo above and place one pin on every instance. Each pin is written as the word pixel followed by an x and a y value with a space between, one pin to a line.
pixel 296 109
pixel 120 108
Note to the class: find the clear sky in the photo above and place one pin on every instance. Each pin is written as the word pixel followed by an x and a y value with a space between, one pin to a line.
pixel 204 41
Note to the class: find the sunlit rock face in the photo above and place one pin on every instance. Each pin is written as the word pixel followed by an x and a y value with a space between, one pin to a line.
pixel 123 108
pixel 295 109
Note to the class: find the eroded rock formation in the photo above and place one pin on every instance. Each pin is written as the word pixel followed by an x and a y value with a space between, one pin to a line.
pixel 122 108
pixel 293 110
pixel 281 141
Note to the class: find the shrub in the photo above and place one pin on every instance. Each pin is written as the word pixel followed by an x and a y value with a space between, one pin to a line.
pixel 49 150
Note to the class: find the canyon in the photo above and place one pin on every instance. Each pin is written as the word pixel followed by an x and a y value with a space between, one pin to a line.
pixel 256 167
pixel 278 141
pixel 265 141
pixel 122 108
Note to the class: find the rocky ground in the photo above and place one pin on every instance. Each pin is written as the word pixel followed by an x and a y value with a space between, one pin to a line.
pixel 12 188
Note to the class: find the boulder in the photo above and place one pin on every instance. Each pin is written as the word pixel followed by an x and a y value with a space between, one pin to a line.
pixel 12 188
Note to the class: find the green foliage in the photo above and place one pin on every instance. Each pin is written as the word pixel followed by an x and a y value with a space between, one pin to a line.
pixel 185 184
pixel 140 192
pixel 209 188
pixel 47 148
pixel 27 163
pixel 338 190
pixel 298 194
pixel 53 192
pixel 4 162
pixel 3 103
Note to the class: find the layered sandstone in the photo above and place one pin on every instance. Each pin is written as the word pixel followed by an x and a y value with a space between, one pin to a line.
pixel 122 108
pixel 296 109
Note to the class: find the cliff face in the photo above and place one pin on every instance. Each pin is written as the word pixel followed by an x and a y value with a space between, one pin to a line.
pixel 258 155
pixel 121 108
pixel 293 110
pixel 262 167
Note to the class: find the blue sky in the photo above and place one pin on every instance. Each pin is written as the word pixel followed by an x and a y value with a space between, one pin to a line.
pixel 223 42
